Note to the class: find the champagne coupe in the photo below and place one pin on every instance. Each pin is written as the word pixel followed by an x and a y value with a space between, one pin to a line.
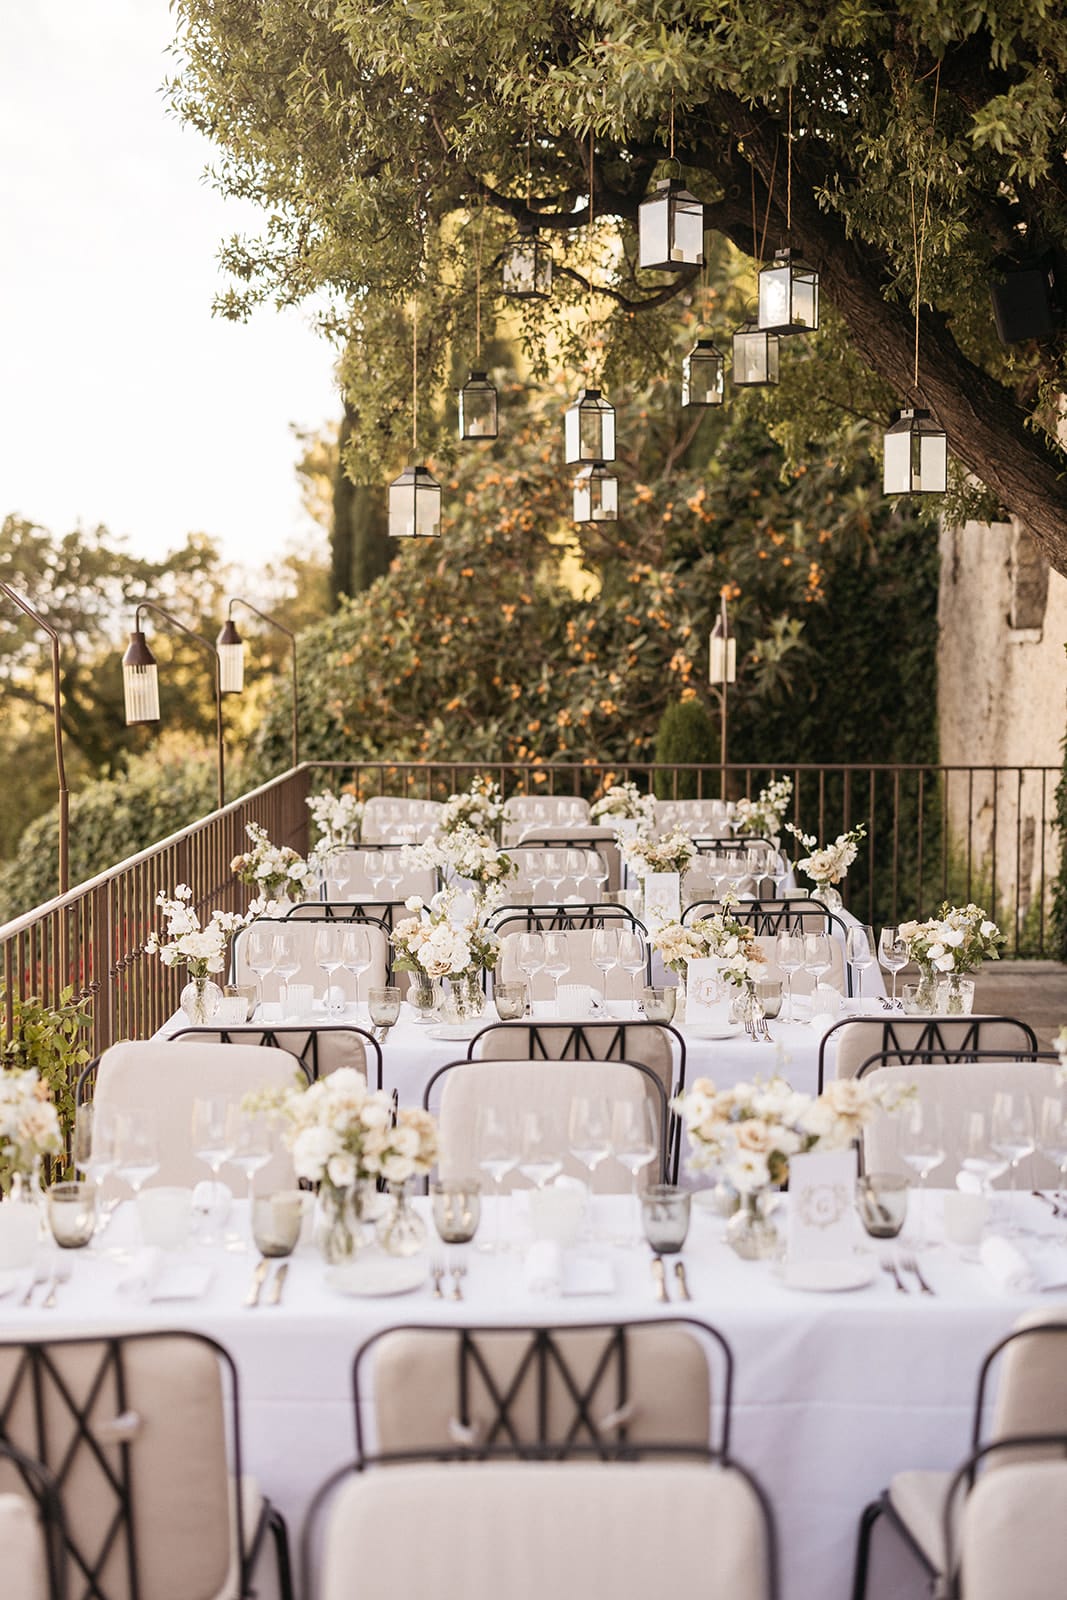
pixel 1052 1136
pixel 355 954
pixel 136 1146
pixel 211 1137
pixel 530 959
pixel 893 955
pixel 540 1158
pixel 556 961
pixel 1011 1133
pixel 632 959
pixel 259 953
pixel 328 958
pixel 789 956
pixel 604 953
pixel 286 960
pixel 922 1148
pixel 250 1135
pixel 860 952
pixel 496 1140
pixel 633 1140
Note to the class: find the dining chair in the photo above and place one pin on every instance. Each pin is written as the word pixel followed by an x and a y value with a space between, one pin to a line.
pixel 303 930
pixel 32 1532
pixel 141 1432
pixel 458 1089
pixel 555 918
pixel 531 1529
pixel 541 1390
pixel 654 1045
pixel 1027 1370
pixel 1009 1535
pixel 546 810
pixel 774 916
pixel 958 1087
pixel 350 874
pixel 167 1078
pixel 320 1048
pixel 708 818
pixel 848 1044
pixel 398 818
pixel 616 985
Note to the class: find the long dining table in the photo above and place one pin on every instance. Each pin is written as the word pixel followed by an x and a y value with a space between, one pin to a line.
pixel 834 1392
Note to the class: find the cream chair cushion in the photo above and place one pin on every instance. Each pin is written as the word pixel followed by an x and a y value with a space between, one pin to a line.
pixel 645 1042
pixel 336 1046
pixel 22 1555
pixel 855 1042
pixel 1012 1533
pixel 167 1076
pixel 527 1530
pixel 545 1086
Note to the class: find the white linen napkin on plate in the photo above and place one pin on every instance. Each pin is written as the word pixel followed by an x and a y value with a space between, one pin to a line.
pixel 552 1271
pixel 153 1275
pixel 1006 1265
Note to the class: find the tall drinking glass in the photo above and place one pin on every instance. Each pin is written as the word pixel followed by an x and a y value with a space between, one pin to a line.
pixel 604 953
pixel 860 952
pixel 556 961
pixel 496 1140
pixel 632 959
pixel 922 1148
pixel 789 957
pixel 633 1140
pixel 286 959
pixel 259 953
pixel 893 955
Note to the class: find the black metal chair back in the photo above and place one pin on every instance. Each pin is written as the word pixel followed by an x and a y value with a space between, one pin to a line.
pixel 315 1047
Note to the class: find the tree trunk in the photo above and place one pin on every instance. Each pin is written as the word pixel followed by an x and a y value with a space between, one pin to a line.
pixel 359 540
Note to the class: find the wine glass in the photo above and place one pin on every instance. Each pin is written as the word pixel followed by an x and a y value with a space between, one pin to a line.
pixel 555 959
pixel 631 958
pixel 859 951
pixel 392 870
pixel 211 1136
pixel 374 870
pixel 530 958
pixel 1011 1133
pixel 328 957
pixel 779 871
pixel 589 1134
pixel 604 953
pixel 789 956
pixel 286 960
pixel 978 1157
pixel 1052 1135
pixel 496 1140
pixel 633 1141
pixel 259 953
pixel 250 1135
pixel 136 1146
pixel 355 954
pixel 555 870
pixel 818 956
pixel 337 874
pixel 893 954
pixel 540 1158
pixel 922 1148
pixel 576 867
pixel 596 868
pixel 95 1153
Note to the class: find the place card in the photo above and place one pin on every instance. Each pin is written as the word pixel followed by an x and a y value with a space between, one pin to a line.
pixel 822 1217
pixel 707 998
pixel 663 897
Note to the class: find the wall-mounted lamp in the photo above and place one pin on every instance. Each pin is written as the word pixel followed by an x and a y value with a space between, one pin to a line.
pixel 140 682
pixel 231 651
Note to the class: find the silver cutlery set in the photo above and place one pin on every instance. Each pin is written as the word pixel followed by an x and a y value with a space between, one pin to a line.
pixel 659 1280
pixel 275 1289
pixel 757 1030
pixel 438 1272
pixel 902 1267
pixel 54 1278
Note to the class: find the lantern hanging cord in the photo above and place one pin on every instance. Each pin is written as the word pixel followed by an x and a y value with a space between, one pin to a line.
pixel 789 168
pixel 478 287
pixel 592 181
pixel 415 375
pixel 918 231
pixel 767 208
pixel 672 125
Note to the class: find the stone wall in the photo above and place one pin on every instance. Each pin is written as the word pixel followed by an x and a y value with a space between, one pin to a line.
pixel 1002 702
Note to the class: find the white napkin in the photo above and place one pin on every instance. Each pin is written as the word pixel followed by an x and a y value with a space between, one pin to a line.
pixel 212 1200
pixel 551 1271
pixel 542 1267
pixel 152 1276
pixel 1006 1265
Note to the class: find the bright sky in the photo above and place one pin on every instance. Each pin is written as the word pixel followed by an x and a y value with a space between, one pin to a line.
pixel 122 400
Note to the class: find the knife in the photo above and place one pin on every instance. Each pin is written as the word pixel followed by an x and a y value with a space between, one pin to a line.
pixel 258 1277
pixel 274 1293
pixel 660 1279
pixel 683 1287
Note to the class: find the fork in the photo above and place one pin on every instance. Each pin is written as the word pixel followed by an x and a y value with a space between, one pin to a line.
pixel 40 1275
pixel 458 1273
pixel 437 1273
pixel 60 1275
pixel 890 1266
pixel 911 1264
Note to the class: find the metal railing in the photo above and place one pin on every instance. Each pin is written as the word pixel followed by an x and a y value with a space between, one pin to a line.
pixel 934 833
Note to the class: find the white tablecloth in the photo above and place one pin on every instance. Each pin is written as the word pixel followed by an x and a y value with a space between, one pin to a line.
pixel 834 1392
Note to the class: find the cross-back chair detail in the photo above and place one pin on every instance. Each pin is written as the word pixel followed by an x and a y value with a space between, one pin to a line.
pixel 549 918
pixel 900 1040
pixel 319 1049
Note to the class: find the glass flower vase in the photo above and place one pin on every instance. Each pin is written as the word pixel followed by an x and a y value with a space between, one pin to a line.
pixel 200 999
pixel 750 1233
pixel 425 999
pixel 339 1219
pixel 465 1001
pixel 926 989
pixel 955 995
pixel 401 1231
pixel 829 896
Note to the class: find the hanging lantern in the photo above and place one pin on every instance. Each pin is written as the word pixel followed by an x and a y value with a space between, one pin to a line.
pixel 478 416
pixel 140 681
pixel 722 662
pixel 415 505
pixel 755 356
pixel 916 455
pixel 527 265
pixel 596 494
pixel 230 647
pixel 788 295
pixel 703 375
pixel 670 228
pixel 589 428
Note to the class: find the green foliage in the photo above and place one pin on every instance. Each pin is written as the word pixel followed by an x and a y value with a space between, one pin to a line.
pixel 686 735
pixel 53 1041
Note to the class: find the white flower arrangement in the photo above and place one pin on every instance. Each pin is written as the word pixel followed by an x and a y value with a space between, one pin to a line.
pixel 464 853
pixel 479 808
pixel 184 942
pixel 733 943
pixel 430 942
pixel 337 817
pixel 29 1123
pixel 625 802
pixel 751 1130
pixel 831 863
pixel 956 941
pixel 340 1132
pixel 276 870
pixel 671 852
pixel 765 815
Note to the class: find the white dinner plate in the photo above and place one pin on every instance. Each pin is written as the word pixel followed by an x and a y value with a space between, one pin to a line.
pixel 454 1030
pixel 377 1275
pixel 713 1030
pixel 830 1277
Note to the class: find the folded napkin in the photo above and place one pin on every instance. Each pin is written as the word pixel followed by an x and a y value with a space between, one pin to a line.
pixel 551 1271
pixel 1006 1265
pixel 212 1201
pixel 152 1275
